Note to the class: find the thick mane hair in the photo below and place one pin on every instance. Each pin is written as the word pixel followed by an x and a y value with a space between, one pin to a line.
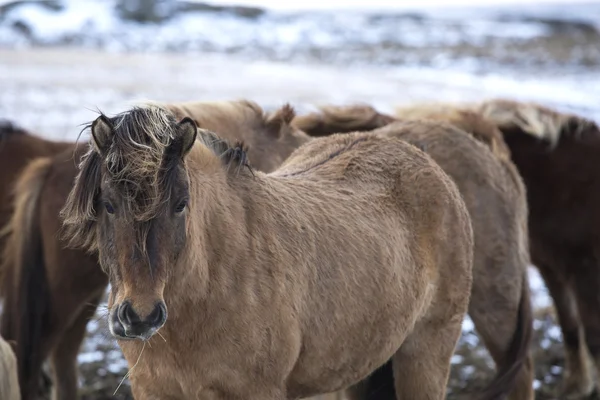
pixel 135 161
pixel 231 154
pixel 536 120
pixel 140 164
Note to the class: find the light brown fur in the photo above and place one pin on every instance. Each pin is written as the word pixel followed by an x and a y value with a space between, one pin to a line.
pixel 341 119
pixel 495 197
pixel 358 249
pixel 9 383
pixel 270 137
pixel 68 282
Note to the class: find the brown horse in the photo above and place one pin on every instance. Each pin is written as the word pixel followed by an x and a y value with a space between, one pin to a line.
pixel 557 156
pixel 500 305
pixel 9 383
pixel 280 286
pixel 18 147
pixel 52 292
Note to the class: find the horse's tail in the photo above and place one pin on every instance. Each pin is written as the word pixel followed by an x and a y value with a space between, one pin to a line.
pixel 518 351
pixel 341 119
pixel 25 286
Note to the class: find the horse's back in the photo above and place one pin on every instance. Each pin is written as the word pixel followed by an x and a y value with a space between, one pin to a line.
pixel 9 383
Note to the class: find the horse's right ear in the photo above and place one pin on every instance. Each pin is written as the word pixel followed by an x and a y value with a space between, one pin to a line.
pixel 102 134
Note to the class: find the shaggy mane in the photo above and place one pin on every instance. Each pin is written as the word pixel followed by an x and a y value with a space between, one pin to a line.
pixel 231 154
pixel 135 162
pixel 534 119
pixel 140 164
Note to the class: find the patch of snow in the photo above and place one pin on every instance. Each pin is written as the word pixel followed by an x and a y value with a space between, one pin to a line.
pixel 90 357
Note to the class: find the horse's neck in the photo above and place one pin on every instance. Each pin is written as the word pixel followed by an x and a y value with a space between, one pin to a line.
pixel 222 255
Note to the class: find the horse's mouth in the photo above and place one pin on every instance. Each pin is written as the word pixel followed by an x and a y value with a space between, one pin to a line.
pixel 120 333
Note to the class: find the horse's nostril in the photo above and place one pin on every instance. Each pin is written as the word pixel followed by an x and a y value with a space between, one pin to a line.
pixel 127 315
pixel 157 316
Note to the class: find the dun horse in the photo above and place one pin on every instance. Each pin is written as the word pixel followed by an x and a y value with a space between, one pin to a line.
pixel 52 292
pixel 500 304
pixel 300 282
pixel 557 156
pixel 9 383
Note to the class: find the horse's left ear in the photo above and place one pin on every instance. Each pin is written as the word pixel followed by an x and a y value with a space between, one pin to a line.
pixel 188 131
pixel 102 134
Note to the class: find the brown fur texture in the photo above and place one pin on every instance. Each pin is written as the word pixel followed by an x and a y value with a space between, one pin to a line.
pixel 500 306
pixel 557 156
pixel 50 292
pixel 468 120
pixel 270 137
pixel 18 148
pixel 9 383
pixel 63 286
pixel 358 249
pixel 341 119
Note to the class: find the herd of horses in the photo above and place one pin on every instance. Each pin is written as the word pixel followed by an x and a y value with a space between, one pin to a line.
pixel 279 256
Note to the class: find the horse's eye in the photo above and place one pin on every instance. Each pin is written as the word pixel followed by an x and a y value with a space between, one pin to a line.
pixel 181 206
pixel 109 208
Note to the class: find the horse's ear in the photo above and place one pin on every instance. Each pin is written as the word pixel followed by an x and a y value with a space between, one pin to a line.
pixel 280 119
pixel 188 131
pixel 102 134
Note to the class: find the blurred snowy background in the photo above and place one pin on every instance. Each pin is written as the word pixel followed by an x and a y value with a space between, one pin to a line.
pixel 62 59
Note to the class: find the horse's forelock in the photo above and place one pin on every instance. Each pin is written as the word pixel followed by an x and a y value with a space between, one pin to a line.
pixel 135 160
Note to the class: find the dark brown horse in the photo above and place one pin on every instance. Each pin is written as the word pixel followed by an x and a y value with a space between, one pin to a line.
pixel 558 156
pixel 18 147
pixel 52 292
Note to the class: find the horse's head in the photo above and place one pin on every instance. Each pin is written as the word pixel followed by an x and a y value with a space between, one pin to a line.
pixel 132 195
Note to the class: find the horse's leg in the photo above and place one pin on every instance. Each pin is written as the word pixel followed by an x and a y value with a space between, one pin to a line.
pixel 422 364
pixel 577 381
pixel 379 385
pixel 495 307
pixel 587 287
pixel 64 355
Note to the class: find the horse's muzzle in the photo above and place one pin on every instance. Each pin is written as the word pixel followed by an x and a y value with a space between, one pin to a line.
pixel 125 322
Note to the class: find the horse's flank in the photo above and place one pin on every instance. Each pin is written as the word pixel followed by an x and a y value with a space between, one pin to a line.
pixel 9 383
